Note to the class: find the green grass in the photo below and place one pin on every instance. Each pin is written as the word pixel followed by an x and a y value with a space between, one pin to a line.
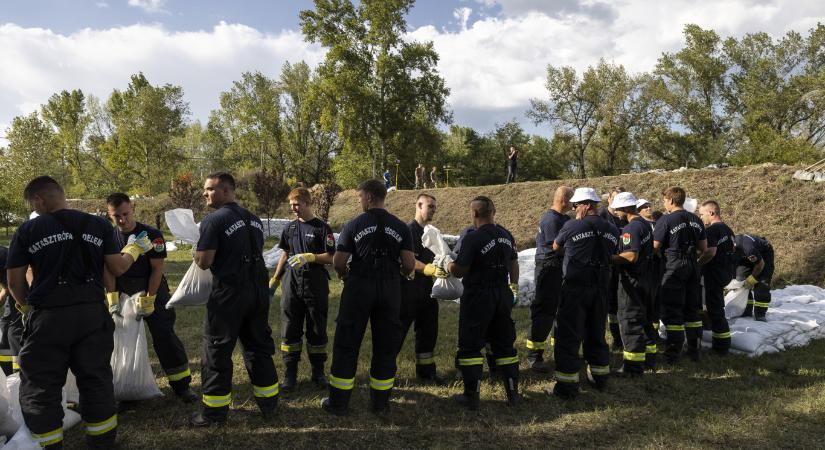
pixel 767 402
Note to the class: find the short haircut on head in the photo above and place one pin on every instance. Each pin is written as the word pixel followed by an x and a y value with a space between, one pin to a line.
pixel 42 185
pixel 424 194
pixel 484 205
pixel 374 188
pixel 616 189
pixel 676 194
pixel 301 194
pixel 116 199
pixel 657 214
pixel 713 205
pixel 223 178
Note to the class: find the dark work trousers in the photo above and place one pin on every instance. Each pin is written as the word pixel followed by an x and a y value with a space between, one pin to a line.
pixel 484 318
pixel 715 304
pixel 759 299
pixel 58 338
pixel 376 299
pixel 417 306
pixel 11 327
pixel 613 307
pixel 305 302
pixel 681 302
pixel 161 323
pixel 634 300
pixel 511 173
pixel 548 276
pixel 233 312
pixel 580 323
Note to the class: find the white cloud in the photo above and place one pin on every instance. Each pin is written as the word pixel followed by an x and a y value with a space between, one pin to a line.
pixel 496 64
pixel 102 5
pixel 205 63
pixel 493 65
pixel 150 6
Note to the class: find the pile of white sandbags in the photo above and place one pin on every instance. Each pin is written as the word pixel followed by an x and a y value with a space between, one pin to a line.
pixel 526 276
pixel 795 317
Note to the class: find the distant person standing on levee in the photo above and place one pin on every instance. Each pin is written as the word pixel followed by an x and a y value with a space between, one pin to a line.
pixel 434 177
pixel 68 325
pixel 231 245
pixel 419 177
pixel 512 164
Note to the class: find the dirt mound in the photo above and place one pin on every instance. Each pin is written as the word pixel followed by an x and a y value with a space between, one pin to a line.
pixel 762 199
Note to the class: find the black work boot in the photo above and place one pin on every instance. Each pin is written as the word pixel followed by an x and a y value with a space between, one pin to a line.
pixel 318 377
pixel 427 372
pixel 183 392
pixel 748 310
pixel 204 419
pixel 597 381
pixel 693 349
pixel 537 363
pixel 268 406
pixel 650 361
pixel 629 369
pixel 380 400
pixel 564 390
pixel 338 402
pixel 290 376
pixel 509 375
pixel 472 385
pixel 491 362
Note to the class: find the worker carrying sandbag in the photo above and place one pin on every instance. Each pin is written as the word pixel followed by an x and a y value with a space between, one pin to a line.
pixel 754 265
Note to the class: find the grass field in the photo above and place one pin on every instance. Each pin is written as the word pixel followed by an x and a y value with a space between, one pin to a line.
pixel 736 402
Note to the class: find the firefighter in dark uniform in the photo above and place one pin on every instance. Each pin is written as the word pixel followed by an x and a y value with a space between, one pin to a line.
pixel 488 265
pixel 308 244
pixel 587 244
pixel 417 305
pixel 231 245
pixel 645 209
pixel 11 324
pixel 679 237
pixel 717 271
pixel 755 266
pixel 146 276
pixel 607 213
pixel 548 276
pixel 381 249
pixel 68 325
pixel 635 262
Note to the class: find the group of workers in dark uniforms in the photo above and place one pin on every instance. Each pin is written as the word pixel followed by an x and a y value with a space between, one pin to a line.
pixel 65 272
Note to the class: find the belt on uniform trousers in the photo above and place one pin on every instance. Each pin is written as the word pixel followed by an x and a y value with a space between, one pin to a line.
pixel 101 300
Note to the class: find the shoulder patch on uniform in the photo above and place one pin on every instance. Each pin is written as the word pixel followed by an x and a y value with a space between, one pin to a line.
pixel 330 240
pixel 626 239
pixel 753 258
pixel 159 244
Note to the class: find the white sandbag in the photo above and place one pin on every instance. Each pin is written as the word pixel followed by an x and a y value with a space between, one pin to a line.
pixel 272 256
pixel 22 440
pixel 70 418
pixel 449 288
pixel 526 276
pixel 171 246
pixel 745 342
pixel 193 289
pixel 736 299
pixel 181 223
pixel 133 377
pixel 8 426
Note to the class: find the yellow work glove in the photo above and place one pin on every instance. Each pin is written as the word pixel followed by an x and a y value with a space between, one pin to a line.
pixel 514 289
pixel 145 306
pixel 22 309
pixel 301 259
pixel 751 281
pixel 113 300
pixel 139 246
pixel 274 282
pixel 431 270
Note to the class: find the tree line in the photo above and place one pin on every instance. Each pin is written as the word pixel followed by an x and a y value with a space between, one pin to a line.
pixel 377 102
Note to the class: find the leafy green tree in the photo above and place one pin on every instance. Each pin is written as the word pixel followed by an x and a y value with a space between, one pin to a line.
pixel 33 150
pixel 66 113
pixel 379 88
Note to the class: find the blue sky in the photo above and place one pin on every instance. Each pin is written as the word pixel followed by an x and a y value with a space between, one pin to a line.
pixel 493 53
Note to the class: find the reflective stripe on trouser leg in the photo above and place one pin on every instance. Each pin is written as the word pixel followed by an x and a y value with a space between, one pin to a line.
pixel 178 373
pixel 535 345
pixel 565 377
pixel 725 335
pixel 345 384
pixel 652 349
pixel 381 385
pixel 49 438
pixel 507 360
pixel 291 348
pixel 316 349
pixel 103 427
pixel 636 357
pixel 217 401
pixel 266 391
pixel 600 370
pixel 423 359
pixel 470 361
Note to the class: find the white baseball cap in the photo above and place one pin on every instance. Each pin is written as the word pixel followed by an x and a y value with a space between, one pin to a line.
pixel 585 194
pixel 623 200
pixel 641 202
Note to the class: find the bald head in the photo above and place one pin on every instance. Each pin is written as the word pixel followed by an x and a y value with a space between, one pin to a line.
pixel 561 199
pixel 482 207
